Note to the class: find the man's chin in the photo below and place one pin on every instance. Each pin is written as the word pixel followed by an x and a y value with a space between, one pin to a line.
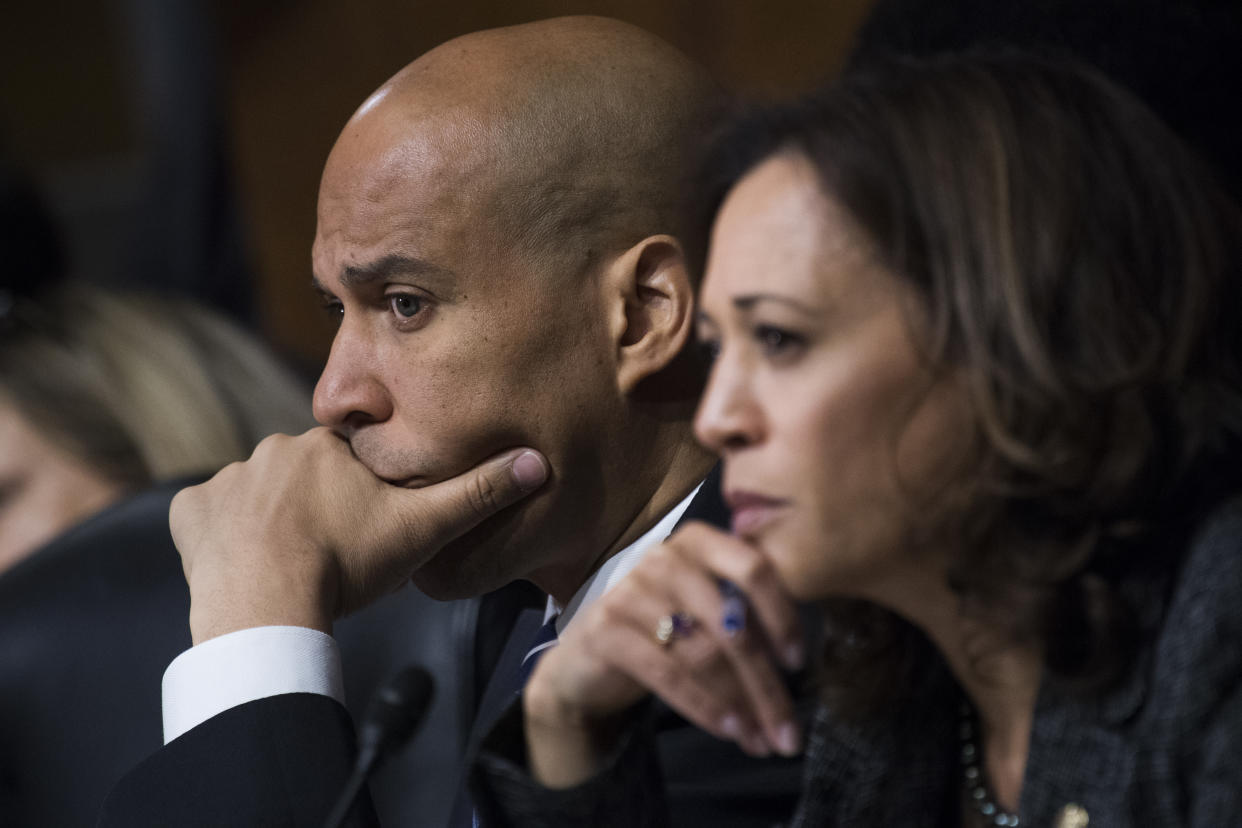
pixel 448 581
pixel 482 560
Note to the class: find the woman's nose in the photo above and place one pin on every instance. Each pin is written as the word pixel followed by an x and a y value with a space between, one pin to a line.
pixel 728 416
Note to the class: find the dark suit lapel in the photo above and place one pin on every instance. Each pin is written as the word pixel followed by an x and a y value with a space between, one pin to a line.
pixel 499 694
pixel 505 682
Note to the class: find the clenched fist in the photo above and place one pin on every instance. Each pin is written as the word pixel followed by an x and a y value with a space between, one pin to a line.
pixel 302 532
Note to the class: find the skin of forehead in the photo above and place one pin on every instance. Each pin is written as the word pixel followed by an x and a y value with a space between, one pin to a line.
pixel 510 104
pixel 509 69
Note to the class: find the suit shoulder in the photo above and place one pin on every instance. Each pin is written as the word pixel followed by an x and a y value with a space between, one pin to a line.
pixel 276 761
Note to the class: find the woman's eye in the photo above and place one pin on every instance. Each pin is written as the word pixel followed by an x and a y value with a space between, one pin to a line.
pixel 775 340
pixel 405 305
pixel 708 349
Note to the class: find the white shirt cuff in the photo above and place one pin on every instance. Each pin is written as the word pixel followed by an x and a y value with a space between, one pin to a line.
pixel 244 666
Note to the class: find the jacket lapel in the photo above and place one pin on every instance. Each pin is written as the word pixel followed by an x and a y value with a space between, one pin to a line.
pixel 1082 752
pixel 505 682
pixel 894 769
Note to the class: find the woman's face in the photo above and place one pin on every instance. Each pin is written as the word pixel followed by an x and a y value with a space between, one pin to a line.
pixel 44 490
pixel 818 401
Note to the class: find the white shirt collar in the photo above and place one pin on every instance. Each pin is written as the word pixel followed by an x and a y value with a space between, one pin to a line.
pixel 618 566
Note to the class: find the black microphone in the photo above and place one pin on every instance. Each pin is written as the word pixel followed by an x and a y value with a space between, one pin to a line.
pixel 395 712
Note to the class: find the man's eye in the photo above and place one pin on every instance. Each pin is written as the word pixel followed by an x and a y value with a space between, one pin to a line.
pixel 405 305
pixel 333 309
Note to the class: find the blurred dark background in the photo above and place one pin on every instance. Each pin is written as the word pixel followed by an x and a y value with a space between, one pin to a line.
pixel 180 141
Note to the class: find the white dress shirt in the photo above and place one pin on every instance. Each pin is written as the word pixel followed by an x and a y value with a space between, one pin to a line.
pixel 252 664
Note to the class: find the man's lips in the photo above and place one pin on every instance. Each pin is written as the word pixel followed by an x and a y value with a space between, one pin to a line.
pixel 414 482
pixel 752 511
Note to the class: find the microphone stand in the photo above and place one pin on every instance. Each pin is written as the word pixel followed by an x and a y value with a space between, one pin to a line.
pixel 393 716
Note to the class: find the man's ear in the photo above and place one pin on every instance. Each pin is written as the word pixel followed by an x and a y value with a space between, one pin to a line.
pixel 653 314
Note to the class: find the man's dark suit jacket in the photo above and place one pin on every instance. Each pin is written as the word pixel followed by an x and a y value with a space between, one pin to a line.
pixel 282 760
pixel 88 625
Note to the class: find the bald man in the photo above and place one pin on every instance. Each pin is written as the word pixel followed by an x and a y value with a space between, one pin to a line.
pixel 507 398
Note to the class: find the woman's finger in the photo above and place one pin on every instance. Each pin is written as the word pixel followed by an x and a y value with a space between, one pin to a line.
pixel 661 628
pixel 688 671
pixel 744 653
pixel 746 568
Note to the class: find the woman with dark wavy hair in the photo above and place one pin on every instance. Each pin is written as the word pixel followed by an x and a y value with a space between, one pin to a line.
pixel 978 393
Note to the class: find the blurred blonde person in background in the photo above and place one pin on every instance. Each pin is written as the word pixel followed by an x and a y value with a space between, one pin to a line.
pixel 108 402
pixel 104 393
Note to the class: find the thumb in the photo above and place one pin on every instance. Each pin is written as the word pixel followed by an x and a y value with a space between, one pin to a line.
pixel 451 507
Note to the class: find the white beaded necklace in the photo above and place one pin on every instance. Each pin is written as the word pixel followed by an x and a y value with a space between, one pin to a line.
pixel 975 783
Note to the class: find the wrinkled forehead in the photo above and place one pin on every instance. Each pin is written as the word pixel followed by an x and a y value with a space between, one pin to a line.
pixel 417 186
pixel 390 148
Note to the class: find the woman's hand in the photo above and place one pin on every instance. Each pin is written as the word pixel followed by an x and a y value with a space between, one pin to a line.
pixel 668 629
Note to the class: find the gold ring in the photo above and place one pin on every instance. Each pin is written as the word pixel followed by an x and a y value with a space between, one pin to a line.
pixel 665 630
pixel 670 627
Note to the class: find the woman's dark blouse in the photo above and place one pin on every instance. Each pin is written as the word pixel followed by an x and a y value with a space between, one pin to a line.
pixel 1163 747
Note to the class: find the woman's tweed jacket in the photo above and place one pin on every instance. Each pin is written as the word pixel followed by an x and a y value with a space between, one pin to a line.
pixel 1161 748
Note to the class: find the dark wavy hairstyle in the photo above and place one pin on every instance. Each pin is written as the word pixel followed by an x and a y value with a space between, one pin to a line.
pixel 1078 270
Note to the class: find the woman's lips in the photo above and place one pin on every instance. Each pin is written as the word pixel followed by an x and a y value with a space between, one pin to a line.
pixel 751 512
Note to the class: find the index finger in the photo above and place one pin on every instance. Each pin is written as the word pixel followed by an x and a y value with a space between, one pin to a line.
pixel 742 566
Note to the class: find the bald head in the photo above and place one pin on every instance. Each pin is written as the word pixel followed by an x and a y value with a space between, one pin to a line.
pixel 572 136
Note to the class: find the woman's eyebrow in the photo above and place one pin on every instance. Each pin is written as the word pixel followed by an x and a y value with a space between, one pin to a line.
pixel 747 302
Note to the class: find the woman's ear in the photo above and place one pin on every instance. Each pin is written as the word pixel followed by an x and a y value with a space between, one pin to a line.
pixel 654 298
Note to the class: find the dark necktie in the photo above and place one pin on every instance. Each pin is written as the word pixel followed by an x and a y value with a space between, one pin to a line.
pixel 544 640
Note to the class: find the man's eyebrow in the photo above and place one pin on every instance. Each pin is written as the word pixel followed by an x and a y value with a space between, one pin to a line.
pixel 394 264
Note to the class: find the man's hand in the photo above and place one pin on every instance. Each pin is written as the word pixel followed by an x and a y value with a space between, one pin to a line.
pixel 303 533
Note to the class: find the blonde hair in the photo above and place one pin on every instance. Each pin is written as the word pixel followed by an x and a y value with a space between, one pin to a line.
pixel 144 387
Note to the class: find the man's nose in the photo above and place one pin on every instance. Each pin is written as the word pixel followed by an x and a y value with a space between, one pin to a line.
pixel 350 393
pixel 729 416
